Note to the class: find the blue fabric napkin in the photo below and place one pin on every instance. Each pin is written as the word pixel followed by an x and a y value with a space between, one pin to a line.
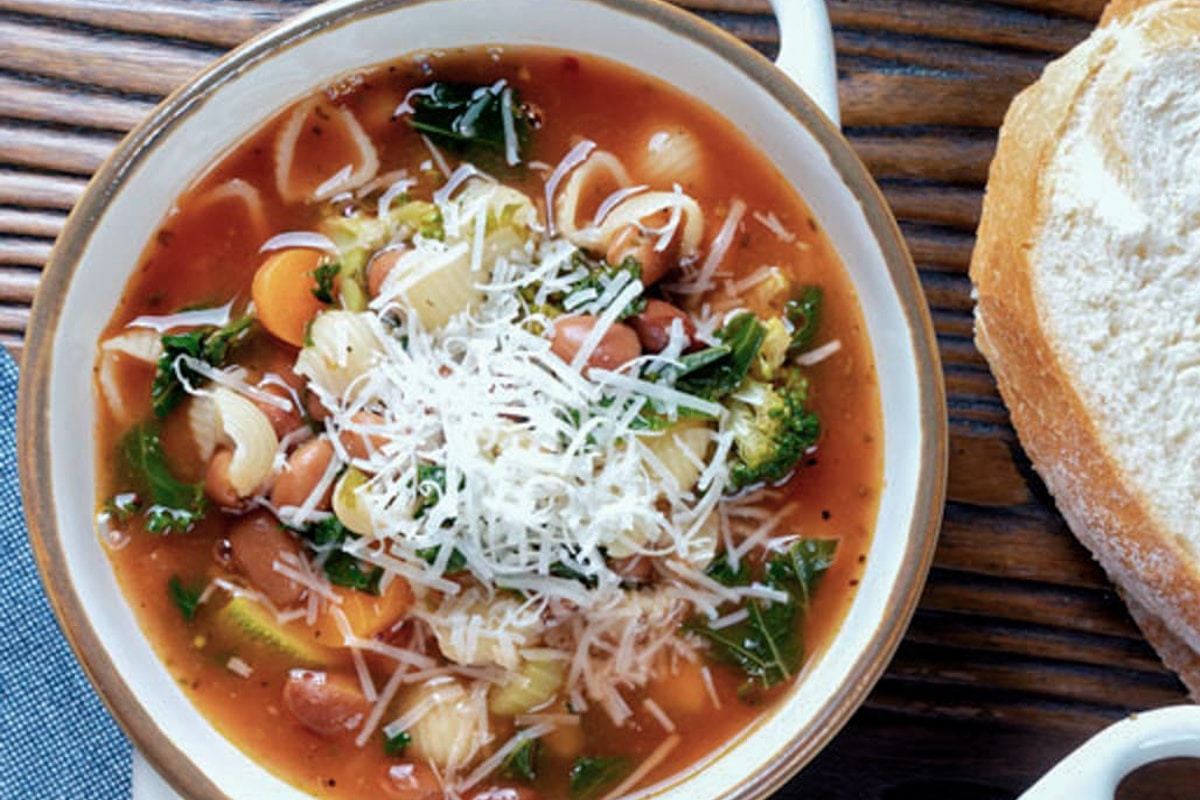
pixel 57 741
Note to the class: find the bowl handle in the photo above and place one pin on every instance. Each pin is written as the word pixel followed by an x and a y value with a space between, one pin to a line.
pixel 1097 767
pixel 806 52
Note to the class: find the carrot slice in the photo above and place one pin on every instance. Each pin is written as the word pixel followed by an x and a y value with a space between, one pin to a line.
pixel 283 293
pixel 367 615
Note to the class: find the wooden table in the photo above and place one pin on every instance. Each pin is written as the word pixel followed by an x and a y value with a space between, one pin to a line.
pixel 1020 648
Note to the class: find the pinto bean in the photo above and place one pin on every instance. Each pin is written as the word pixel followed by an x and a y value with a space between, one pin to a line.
pixel 317 411
pixel 507 793
pixel 217 485
pixel 630 241
pixel 302 472
pixel 634 569
pixel 284 421
pixel 256 542
pixel 380 267
pixel 653 325
pixel 411 780
pixel 325 704
pixel 358 444
pixel 618 346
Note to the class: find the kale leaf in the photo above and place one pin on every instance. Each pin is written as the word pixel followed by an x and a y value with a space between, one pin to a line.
pixel 521 763
pixel 803 312
pixel 591 776
pixel 719 370
pixel 395 745
pixel 185 598
pixel 174 505
pixel 470 119
pixel 767 645
pixel 208 344
pixel 341 568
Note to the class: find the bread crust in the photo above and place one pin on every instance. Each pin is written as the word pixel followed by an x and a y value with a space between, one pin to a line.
pixel 1147 561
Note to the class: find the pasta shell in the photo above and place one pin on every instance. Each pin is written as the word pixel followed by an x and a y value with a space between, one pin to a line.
pixel 253 437
pixel 597 177
pixel 344 347
pixel 533 684
pixel 672 155
pixel 682 451
pixel 636 209
pixel 452 730
pixel 205 424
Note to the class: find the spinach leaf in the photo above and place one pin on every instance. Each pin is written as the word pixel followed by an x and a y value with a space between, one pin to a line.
pixel 470 119
pixel 802 567
pixel 395 745
pixel 712 375
pixel 209 344
pixel 174 505
pixel 803 312
pixel 457 562
pixel 591 776
pixel 185 598
pixel 341 568
pixel 521 763
pixel 324 276
pixel 721 572
pixel 763 645
pixel 767 645
pixel 325 532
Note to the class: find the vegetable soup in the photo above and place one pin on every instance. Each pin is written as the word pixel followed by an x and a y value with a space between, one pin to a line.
pixel 491 424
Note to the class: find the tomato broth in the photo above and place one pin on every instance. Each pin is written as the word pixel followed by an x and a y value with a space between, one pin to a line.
pixel 249 653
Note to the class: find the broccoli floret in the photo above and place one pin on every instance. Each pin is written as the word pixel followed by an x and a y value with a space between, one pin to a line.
pixel 772 429
pixel 773 351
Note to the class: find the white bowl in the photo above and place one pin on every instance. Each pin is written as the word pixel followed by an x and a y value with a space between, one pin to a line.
pixel 128 198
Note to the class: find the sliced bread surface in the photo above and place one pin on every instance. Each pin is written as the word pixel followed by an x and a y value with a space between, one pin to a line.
pixel 1087 273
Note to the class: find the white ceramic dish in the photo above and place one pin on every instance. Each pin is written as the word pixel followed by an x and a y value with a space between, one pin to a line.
pixel 127 199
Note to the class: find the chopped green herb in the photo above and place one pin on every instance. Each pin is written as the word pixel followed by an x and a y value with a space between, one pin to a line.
pixel 123 506
pixel 591 776
pixel 395 745
pixel 521 763
pixel 174 505
pixel 209 344
pixel 185 598
pixel 465 118
pixel 803 312
pixel 324 275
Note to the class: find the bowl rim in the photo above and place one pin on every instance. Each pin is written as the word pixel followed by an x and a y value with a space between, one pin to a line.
pixel 33 447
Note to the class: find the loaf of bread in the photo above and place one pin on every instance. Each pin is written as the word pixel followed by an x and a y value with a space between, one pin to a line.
pixel 1087 272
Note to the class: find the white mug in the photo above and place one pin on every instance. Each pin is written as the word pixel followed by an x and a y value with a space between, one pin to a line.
pixel 1096 768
